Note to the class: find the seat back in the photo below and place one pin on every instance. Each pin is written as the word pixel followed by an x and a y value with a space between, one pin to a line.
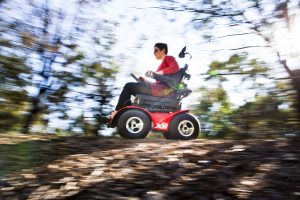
pixel 178 77
pixel 172 80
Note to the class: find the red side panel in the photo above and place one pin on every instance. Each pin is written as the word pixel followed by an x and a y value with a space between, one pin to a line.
pixel 161 121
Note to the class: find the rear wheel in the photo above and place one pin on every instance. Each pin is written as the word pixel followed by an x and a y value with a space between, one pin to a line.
pixel 134 124
pixel 184 127
pixel 167 135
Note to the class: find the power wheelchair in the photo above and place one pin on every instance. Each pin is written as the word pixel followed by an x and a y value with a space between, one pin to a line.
pixel 159 113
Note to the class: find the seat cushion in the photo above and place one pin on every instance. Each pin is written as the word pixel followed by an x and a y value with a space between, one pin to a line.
pixel 164 99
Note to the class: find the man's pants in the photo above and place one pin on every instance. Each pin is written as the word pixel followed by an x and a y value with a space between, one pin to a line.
pixel 132 89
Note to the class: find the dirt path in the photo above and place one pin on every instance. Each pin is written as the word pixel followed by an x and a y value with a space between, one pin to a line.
pixel 95 168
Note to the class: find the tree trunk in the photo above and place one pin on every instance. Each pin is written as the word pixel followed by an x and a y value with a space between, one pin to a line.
pixel 30 116
pixel 295 76
pixel 34 110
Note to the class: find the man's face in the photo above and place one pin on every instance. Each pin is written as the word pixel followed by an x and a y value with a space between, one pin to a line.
pixel 159 53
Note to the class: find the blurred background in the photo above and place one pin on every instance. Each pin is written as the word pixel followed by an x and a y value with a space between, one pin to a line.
pixel 63 61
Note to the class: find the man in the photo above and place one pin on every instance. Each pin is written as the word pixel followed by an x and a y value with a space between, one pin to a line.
pixel 168 66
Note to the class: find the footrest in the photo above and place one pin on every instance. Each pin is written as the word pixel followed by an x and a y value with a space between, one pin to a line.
pixel 103 119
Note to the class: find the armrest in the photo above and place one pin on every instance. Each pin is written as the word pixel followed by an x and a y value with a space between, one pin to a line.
pixel 168 80
pixel 173 79
pixel 163 78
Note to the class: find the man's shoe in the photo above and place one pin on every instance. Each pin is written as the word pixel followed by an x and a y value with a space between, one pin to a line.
pixel 103 119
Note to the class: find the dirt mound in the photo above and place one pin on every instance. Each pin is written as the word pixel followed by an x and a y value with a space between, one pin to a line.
pixel 93 168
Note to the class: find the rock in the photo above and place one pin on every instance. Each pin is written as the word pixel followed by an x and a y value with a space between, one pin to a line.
pixel 4 184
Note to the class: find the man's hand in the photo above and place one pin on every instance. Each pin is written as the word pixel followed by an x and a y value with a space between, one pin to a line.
pixel 141 79
pixel 149 73
pixel 160 72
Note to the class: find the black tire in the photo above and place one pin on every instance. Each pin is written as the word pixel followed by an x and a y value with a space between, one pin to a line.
pixel 134 124
pixel 166 135
pixel 184 127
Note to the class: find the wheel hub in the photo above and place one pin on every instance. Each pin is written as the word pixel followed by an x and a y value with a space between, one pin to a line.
pixel 134 125
pixel 186 128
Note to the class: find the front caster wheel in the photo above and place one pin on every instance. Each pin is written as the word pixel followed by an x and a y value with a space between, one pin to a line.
pixel 134 124
pixel 184 127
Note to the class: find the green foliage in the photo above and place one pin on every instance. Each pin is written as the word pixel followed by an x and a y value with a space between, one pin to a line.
pixel 235 59
pixel 270 114
pixel 214 108
pixel 237 65
pixel 13 95
pixel 73 59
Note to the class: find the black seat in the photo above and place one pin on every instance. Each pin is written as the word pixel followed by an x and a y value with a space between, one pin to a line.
pixel 166 103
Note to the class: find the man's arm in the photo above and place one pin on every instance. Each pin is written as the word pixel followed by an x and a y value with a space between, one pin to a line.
pixel 172 66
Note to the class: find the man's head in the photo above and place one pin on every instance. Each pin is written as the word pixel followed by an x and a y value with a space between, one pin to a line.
pixel 160 50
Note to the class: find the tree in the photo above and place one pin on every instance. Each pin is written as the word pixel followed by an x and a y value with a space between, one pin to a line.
pixel 14 75
pixel 262 18
pixel 51 38
pixel 263 115
pixel 215 110
pixel 13 96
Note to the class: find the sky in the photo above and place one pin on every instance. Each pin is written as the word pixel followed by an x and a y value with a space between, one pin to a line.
pixel 141 26
pixel 137 37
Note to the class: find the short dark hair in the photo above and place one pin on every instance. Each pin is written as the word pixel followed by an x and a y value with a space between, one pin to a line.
pixel 162 46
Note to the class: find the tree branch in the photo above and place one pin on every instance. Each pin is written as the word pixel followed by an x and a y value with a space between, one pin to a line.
pixel 246 47
pixel 232 35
